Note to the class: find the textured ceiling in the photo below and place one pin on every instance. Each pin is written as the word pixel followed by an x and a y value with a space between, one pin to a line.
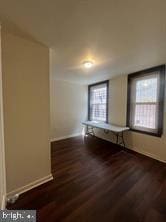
pixel 121 36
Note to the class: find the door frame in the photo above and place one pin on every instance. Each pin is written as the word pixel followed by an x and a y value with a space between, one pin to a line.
pixel 2 143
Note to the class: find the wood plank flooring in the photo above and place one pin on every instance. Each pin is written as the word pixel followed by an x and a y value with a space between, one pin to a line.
pixel 97 181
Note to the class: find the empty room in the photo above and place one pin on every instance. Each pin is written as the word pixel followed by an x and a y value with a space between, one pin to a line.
pixel 83 110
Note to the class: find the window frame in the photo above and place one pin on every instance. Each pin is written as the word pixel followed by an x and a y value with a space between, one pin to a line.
pixel 107 100
pixel 147 72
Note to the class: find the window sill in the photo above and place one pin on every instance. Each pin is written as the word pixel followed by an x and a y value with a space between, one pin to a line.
pixel 159 134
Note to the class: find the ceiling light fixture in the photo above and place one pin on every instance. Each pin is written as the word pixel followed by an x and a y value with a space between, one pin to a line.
pixel 88 64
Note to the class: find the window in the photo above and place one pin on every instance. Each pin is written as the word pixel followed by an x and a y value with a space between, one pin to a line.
pixel 146 100
pixel 98 101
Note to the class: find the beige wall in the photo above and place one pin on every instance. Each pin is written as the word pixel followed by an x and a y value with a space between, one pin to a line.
pixel 25 67
pixel 149 145
pixel 68 108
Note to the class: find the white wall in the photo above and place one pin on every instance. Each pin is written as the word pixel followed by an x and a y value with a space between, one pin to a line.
pixel 2 151
pixel 25 66
pixel 148 145
pixel 68 108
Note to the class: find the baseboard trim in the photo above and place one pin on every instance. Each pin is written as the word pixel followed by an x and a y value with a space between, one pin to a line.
pixel 147 154
pixel 138 151
pixel 30 186
pixel 65 137
pixel 3 204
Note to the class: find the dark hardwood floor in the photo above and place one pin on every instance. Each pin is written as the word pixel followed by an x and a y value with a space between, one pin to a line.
pixel 96 181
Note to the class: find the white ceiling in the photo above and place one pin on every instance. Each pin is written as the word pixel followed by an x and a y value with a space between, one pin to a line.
pixel 121 36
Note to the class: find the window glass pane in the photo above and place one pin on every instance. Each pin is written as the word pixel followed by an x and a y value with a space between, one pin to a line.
pixel 98 102
pixel 145 106
pixel 146 90
pixel 145 116
pixel 98 112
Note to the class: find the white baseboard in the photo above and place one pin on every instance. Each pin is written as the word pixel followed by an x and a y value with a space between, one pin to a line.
pixel 66 137
pixel 143 152
pixel 153 156
pixel 3 204
pixel 30 186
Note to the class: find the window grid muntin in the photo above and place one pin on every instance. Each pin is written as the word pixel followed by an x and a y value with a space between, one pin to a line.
pixel 161 89
pixel 98 102
pixel 146 94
